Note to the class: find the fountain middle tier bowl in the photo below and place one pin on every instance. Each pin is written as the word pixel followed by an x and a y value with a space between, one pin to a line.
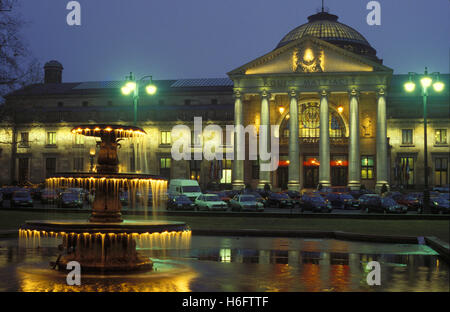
pixel 126 227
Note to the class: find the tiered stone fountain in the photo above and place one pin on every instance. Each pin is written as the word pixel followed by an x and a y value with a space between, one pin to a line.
pixel 105 242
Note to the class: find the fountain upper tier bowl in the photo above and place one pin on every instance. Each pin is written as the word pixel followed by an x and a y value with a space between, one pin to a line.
pixel 117 131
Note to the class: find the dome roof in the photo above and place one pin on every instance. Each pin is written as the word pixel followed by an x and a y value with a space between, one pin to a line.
pixel 326 27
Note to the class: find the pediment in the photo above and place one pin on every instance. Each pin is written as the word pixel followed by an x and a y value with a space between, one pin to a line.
pixel 309 55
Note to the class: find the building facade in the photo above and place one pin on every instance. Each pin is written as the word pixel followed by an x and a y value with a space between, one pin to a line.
pixel 323 85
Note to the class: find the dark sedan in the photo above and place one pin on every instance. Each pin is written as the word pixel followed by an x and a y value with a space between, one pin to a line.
pixel 412 201
pixel 389 205
pixel 48 196
pixel 439 204
pixel 371 203
pixel 21 199
pixel 70 200
pixel 315 203
pixel 180 202
pixel 279 200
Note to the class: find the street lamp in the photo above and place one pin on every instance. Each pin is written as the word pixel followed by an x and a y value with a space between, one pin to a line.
pixel 133 85
pixel 426 80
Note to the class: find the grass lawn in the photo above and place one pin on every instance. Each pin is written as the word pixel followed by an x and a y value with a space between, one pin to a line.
pixel 10 220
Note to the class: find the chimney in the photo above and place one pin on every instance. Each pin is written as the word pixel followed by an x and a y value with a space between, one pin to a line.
pixel 53 72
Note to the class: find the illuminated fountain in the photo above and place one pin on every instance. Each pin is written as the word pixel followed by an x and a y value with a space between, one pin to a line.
pixel 106 242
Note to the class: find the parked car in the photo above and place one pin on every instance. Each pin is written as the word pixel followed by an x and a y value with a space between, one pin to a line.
pixel 370 203
pixel 394 195
pixel 412 201
pixel 389 205
pixel 258 197
pixel 358 193
pixel 342 201
pixel 180 202
pixel 222 195
pixel 279 200
pixel 48 196
pixel 21 199
pixel 210 202
pixel 349 201
pixel 316 203
pixel 440 204
pixel 442 189
pixel 70 200
pixel 9 190
pixel 190 188
pixel 246 203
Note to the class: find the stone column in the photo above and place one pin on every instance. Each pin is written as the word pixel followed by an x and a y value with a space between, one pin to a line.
pixel 294 181
pixel 381 142
pixel 354 158
pixel 238 165
pixel 324 141
pixel 264 176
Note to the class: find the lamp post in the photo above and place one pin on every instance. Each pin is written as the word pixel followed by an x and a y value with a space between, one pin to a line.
pixel 133 85
pixel 425 81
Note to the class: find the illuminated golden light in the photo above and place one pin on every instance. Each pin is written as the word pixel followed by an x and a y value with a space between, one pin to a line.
pixel 92 151
pixel 426 82
pixel 438 86
pixel 281 109
pixel 308 56
pixel 410 86
pixel 340 109
pixel 108 129
pixel 125 90
pixel 131 85
pixel 151 89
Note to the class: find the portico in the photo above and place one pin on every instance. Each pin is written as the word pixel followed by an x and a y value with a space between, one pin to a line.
pixel 299 88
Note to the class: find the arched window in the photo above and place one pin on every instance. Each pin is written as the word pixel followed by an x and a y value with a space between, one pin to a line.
pixel 309 122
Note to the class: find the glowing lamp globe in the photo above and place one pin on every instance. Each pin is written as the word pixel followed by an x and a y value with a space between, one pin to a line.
pixel 426 82
pixel 125 90
pixel 151 89
pixel 438 86
pixel 410 86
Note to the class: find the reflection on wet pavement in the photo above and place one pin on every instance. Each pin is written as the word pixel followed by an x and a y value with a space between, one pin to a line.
pixel 243 264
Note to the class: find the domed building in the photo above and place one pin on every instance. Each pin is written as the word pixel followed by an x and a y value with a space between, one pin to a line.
pixel 338 116
pixel 320 73
pixel 325 26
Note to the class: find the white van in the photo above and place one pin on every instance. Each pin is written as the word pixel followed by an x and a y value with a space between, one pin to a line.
pixel 190 188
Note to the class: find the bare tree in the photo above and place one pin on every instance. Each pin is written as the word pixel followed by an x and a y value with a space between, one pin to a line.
pixel 16 67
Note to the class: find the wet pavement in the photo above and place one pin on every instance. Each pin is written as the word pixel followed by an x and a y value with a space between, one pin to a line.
pixel 238 264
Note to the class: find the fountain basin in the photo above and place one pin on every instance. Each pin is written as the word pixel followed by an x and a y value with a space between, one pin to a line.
pixel 106 247
pixel 125 227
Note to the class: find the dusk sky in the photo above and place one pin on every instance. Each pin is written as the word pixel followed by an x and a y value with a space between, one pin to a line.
pixel 207 38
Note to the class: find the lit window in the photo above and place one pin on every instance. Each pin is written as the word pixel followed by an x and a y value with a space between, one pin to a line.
pixel 166 138
pixel 165 163
pixel 24 142
pixel 51 138
pixel 407 136
pixel 441 136
pixel 78 139
pixel 367 167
